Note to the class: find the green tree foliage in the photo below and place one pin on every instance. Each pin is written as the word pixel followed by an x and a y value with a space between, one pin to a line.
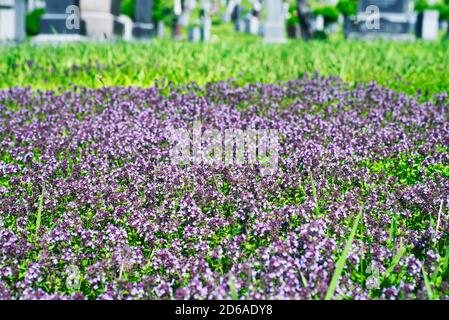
pixel 442 7
pixel 128 7
pixel 32 21
pixel 347 7
pixel 330 13
pixel 162 10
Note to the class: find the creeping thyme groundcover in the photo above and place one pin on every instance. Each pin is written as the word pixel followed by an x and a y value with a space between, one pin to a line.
pixel 91 207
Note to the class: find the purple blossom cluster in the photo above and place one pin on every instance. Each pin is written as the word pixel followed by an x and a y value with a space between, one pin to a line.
pixel 91 207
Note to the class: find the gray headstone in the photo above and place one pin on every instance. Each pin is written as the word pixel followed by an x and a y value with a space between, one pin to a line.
pixel 144 11
pixel 194 34
pixel 143 26
pixel 128 27
pixel 101 18
pixel 206 28
pixel 236 17
pixel 206 21
pixel 12 20
pixel 391 19
pixel 251 24
pixel 160 29
pixel 108 6
pixel 390 6
pixel 60 19
pixel 427 25
pixel 274 28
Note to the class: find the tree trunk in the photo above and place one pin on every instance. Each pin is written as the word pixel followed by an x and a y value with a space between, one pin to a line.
pixel 305 19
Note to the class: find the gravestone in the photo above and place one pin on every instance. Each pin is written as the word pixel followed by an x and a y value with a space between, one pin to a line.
pixel 319 23
pixel 143 26
pixel 194 34
pixel 176 26
pixel 61 22
pixel 274 28
pixel 236 15
pixel 427 25
pixel 160 29
pixel 12 20
pixel 101 17
pixel 35 4
pixel 252 18
pixel 187 7
pixel 206 21
pixel 128 25
pixel 251 24
pixel 388 19
pixel 227 15
pixel 305 17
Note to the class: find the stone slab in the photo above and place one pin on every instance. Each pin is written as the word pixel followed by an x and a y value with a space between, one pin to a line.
pixel 103 6
pixel 102 25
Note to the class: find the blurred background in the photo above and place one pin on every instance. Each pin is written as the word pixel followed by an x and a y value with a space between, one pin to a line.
pixel 49 44
pixel 212 20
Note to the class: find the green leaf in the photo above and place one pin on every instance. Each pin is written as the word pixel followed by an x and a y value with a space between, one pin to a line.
pixel 395 261
pixel 393 229
pixel 427 284
pixel 232 287
pixel 342 261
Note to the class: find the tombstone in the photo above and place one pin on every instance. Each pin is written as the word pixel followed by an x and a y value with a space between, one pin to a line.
pixel 319 23
pixel 35 4
pixel 305 17
pixel 274 29
pixel 236 14
pixel 387 19
pixel 427 25
pixel 194 34
pixel 143 26
pixel 229 7
pixel 160 29
pixel 251 24
pixel 251 20
pixel 12 20
pixel 101 17
pixel 176 26
pixel 206 21
pixel 127 27
pixel 61 22
pixel 187 8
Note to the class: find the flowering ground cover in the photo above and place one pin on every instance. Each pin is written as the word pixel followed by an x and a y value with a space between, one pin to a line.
pixel 91 205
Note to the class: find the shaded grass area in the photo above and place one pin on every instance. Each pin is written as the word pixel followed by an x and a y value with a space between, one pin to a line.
pixel 407 67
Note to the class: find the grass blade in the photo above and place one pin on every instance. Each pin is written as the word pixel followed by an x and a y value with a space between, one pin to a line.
pixel 232 288
pixel 427 283
pixel 439 218
pixel 393 229
pixel 342 261
pixel 395 260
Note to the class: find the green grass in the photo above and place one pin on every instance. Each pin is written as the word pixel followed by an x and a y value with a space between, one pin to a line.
pixel 406 67
pixel 342 260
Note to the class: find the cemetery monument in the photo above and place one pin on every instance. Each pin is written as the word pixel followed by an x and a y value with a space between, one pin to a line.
pixel 387 19
pixel 12 20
